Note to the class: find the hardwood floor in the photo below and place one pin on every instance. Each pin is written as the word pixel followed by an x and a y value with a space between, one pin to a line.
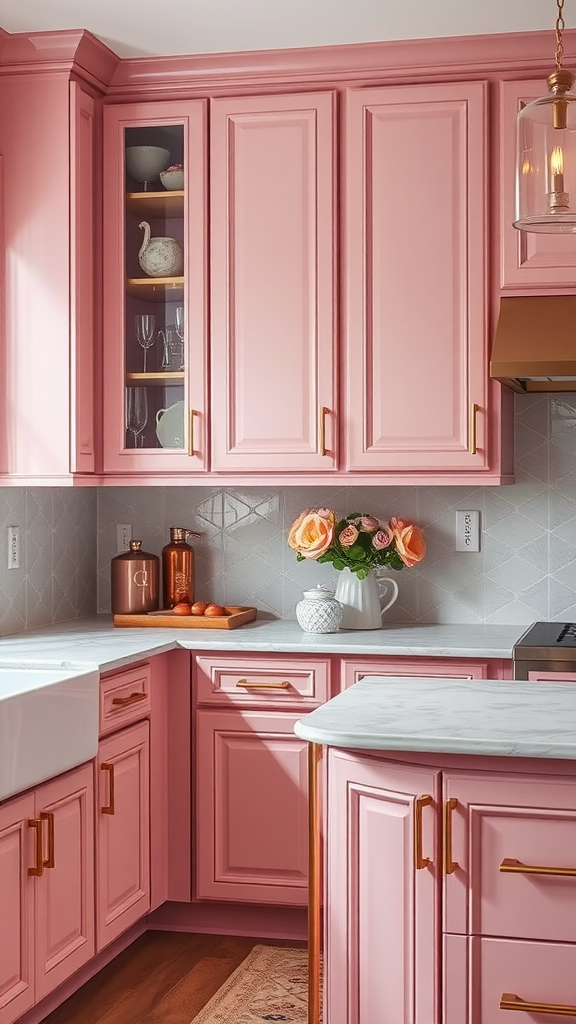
pixel 162 978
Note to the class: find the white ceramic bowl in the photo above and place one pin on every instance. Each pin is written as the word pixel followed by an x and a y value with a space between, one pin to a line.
pixel 172 180
pixel 144 163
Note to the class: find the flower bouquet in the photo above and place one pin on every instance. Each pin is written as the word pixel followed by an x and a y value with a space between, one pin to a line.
pixel 358 542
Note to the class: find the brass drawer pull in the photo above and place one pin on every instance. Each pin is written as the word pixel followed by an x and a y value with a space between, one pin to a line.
pixel 322 429
pixel 109 808
pixel 263 686
pixel 191 433
pixel 516 867
pixel 472 429
pixel 449 864
pixel 38 867
pixel 49 817
pixel 419 860
pixel 123 702
pixel 511 1002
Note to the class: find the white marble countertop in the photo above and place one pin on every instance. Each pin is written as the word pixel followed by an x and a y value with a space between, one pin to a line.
pixel 495 717
pixel 96 643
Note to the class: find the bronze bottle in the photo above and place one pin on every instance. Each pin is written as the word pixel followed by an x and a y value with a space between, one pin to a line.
pixel 178 568
pixel 134 581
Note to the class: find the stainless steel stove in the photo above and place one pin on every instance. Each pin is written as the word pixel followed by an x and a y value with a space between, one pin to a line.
pixel 546 647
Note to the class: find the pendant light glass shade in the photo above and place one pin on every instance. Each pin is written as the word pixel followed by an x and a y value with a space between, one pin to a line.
pixel 546 159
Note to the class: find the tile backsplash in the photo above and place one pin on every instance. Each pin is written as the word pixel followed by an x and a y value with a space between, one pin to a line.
pixel 525 570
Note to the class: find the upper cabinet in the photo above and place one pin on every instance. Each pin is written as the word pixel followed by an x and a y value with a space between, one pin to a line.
pixel 415 324
pixel 538 262
pixel 48 131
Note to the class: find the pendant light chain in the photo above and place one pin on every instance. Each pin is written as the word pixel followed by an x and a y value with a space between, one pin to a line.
pixel 560 26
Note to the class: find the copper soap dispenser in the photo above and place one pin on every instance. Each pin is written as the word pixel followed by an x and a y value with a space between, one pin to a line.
pixel 134 581
pixel 178 568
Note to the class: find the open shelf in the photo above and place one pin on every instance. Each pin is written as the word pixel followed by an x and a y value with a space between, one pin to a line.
pixel 155 287
pixel 157 378
pixel 156 204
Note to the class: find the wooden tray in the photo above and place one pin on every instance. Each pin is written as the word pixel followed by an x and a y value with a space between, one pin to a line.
pixel 235 616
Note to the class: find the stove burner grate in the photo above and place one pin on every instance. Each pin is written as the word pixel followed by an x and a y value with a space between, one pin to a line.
pixel 567 634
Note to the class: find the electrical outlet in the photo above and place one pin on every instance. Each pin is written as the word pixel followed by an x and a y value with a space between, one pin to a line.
pixel 468 531
pixel 13 547
pixel 123 536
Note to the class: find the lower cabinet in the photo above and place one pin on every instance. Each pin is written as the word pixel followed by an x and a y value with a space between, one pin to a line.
pixel 450 893
pixel 123 831
pixel 46 889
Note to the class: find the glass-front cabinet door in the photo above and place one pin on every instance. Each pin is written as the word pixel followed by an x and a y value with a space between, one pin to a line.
pixel 154 284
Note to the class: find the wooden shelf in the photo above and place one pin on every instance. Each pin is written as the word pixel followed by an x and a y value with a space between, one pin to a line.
pixel 160 378
pixel 159 288
pixel 156 204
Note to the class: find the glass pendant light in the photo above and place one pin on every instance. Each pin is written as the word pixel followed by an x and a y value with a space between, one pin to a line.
pixel 546 153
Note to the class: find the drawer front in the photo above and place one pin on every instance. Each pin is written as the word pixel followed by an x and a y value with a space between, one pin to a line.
pixel 124 697
pixel 514 843
pixel 353 670
pixel 539 975
pixel 255 681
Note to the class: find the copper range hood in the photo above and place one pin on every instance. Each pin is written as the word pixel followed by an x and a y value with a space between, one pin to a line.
pixel 535 343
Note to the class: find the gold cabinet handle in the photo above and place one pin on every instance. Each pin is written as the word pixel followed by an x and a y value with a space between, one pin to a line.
pixel 322 429
pixel 472 429
pixel 109 808
pixel 49 817
pixel 38 866
pixel 191 416
pixel 449 864
pixel 123 702
pixel 515 866
pixel 263 686
pixel 419 860
pixel 511 1002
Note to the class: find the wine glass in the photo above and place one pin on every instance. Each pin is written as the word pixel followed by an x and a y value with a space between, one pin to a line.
pixel 145 324
pixel 136 411
pixel 179 317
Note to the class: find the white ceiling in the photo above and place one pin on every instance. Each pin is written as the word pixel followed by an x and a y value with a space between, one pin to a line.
pixel 142 28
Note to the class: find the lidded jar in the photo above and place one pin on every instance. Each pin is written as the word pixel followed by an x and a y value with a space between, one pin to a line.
pixel 134 581
pixel 319 611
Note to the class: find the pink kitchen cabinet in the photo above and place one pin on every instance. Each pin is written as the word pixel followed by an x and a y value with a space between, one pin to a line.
pixel 123 836
pixel 415 282
pixel 273 291
pixel 50 247
pixel 528 260
pixel 383 873
pixel 47 886
pixel 352 670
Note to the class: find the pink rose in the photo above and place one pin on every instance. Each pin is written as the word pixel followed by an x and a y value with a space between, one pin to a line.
pixel 368 524
pixel 381 540
pixel 348 536
pixel 312 533
pixel 409 541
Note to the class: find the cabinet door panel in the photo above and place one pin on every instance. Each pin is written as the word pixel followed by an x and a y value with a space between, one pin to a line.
pixel 251 808
pixel 16 915
pixel 415 322
pixel 65 892
pixel 123 836
pixel 383 921
pixel 272 279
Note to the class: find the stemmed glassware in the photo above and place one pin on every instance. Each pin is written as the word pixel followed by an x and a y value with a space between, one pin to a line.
pixel 145 325
pixel 136 411
pixel 179 323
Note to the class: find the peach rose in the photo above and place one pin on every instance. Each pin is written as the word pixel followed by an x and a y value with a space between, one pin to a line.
pixel 409 540
pixel 312 533
pixel 382 539
pixel 348 536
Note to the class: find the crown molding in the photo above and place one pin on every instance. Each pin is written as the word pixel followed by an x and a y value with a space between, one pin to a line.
pixel 66 51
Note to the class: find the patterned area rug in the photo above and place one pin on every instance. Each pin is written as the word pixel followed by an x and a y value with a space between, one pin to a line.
pixel 271 984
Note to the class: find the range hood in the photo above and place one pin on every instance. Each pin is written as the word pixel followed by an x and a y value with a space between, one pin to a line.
pixel 535 343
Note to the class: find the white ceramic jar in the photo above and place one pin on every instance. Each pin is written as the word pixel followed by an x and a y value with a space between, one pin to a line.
pixel 319 611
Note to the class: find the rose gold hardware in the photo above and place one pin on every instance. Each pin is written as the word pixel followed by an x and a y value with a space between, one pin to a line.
pixel 322 429
pixel 560 26
pixel 314 882
pixel 38 867
pixel 511 1002
pixel 263 686
pixel 191 433
pixel 109 809
pixel 472 429
pixel 449 864
pixel 49 817
pixel 123 702
pixel 516 866
pixel 419 860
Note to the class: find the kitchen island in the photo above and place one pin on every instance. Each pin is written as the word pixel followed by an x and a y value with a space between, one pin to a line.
pixel 449 875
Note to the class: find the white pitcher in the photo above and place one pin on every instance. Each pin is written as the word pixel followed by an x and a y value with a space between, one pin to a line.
pixel 364 601
pixel 159 256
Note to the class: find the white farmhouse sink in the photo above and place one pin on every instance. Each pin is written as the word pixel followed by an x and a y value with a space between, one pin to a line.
pixel 48 724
